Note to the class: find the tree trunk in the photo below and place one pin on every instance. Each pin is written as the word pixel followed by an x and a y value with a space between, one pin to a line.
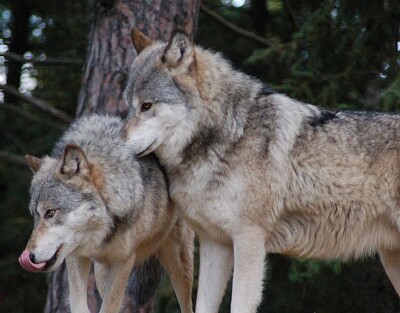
pixel 110 50
pixel 110 54
pixel 21 10
pixel 259 11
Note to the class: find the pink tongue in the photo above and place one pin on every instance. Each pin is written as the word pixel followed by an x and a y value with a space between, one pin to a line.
pixel 27 264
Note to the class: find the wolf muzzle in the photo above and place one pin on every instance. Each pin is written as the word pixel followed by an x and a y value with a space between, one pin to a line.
pixel 27 264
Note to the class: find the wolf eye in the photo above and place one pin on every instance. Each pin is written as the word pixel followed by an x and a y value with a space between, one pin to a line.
pixel 49 213
pixel 146 106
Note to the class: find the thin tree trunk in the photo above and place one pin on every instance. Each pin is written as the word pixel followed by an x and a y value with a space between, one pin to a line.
pixel 110 54
pixel 260 13
pixel 21 10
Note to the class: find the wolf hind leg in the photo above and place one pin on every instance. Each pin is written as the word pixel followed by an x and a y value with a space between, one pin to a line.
pixel 216 262
pixel 390 259
pixel 248 275
pixel 176 257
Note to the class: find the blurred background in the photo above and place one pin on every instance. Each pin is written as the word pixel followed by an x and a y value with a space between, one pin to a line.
pixel 341 55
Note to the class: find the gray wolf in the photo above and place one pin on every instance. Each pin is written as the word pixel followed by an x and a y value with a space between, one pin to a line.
pixel 255 172
pixel 93 200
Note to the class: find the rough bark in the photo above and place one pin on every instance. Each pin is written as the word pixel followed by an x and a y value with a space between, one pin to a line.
pixel 109 56
pixel 110 51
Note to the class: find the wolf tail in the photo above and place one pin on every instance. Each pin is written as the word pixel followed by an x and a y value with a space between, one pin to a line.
pixel 143 283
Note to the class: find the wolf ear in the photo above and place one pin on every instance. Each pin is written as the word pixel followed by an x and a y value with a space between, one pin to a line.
pixel 33 162
pixel 139 40
pixel 179 50
pixel 74 161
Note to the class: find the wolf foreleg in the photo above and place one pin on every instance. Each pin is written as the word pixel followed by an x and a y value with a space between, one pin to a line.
pixel 78 274
pixel 176 257
pixel 116 283
pixel 101 272
pixel 216 262
pixel 249 255
pixel 391 262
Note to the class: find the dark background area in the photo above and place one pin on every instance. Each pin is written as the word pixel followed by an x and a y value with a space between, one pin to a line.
pixel 341 55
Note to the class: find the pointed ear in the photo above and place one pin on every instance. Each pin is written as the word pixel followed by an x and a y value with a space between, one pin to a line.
pixel 139 40
pixel 179 50
pixel 74 161
pixel 33 162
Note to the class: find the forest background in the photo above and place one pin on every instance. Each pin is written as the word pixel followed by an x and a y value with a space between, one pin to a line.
pixel 340 55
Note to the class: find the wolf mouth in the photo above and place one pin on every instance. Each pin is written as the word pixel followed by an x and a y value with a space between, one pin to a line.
pixel 53 259
pixel 140 154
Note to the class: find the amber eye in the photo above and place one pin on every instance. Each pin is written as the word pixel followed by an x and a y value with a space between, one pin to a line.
pixel 146 106
pixel 49 214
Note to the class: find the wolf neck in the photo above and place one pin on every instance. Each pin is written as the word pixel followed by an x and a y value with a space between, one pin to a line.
pixel 219 114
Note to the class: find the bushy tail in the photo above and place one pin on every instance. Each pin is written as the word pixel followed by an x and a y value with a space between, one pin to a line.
pixel 143 283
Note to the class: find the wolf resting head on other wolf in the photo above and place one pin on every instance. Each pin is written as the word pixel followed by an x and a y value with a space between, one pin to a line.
pixel 68 190
pixel 255 172
pixel 171 93
pixel 93 200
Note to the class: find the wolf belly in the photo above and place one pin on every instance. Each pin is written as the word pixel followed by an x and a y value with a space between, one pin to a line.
pixel 332 237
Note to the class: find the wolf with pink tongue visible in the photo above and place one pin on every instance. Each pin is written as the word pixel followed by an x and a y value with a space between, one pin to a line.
pixel 92 200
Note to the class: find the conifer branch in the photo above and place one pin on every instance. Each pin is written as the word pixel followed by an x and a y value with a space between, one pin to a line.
pixel 243 32
pixel 40 104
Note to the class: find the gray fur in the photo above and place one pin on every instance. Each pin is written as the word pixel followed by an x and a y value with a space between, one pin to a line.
pixel 100 138
pixel 255 172
pixel 93 200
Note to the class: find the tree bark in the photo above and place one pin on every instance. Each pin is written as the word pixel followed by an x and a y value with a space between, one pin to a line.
pixel 110 50
pixel 109 56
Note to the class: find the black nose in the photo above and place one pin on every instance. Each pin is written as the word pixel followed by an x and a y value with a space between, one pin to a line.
pixel 32 257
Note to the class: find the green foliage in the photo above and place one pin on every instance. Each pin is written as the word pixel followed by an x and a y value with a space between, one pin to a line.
pixel 57 29
pixel 391 97
pixel 167 301
pixel 19 291
pixel 65 37
pixel 343 54
pixel 306 270
pixel 299 286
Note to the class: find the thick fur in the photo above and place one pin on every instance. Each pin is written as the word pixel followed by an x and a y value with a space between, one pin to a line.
pixel 255 172
pixel 109 208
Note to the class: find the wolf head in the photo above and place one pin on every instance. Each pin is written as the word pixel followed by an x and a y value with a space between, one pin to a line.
pixel 67 207
pixel 179 93
pixel 158 92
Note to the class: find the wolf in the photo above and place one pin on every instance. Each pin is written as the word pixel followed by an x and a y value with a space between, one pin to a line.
pixel 256 172
pixel 91 199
